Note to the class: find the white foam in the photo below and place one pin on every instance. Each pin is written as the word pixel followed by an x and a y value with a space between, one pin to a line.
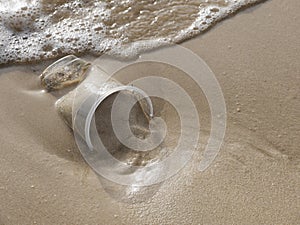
pixel 33 30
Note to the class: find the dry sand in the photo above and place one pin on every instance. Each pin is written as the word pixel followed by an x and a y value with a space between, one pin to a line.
pixel 254 180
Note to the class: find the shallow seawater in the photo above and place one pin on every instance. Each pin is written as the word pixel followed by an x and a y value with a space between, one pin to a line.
pixel 33 30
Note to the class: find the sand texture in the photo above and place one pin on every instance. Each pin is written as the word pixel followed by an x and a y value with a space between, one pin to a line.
pixel 254 180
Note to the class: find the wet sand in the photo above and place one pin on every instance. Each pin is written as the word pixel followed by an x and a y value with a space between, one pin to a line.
pixel 254 180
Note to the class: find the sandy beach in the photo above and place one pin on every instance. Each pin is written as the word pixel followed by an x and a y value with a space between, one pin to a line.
pixel 254 180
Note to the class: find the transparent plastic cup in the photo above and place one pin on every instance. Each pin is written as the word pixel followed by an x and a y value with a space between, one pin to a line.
pixel 89 95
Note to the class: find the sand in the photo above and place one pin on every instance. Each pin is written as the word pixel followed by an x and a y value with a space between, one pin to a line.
pixel 254 180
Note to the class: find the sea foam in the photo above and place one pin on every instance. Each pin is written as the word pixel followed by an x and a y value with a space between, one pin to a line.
pixel 33 30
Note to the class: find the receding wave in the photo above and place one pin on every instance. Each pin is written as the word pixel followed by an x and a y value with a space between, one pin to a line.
pixel 33 30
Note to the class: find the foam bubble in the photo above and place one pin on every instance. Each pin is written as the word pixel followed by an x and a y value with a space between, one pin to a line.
pixel 33 30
